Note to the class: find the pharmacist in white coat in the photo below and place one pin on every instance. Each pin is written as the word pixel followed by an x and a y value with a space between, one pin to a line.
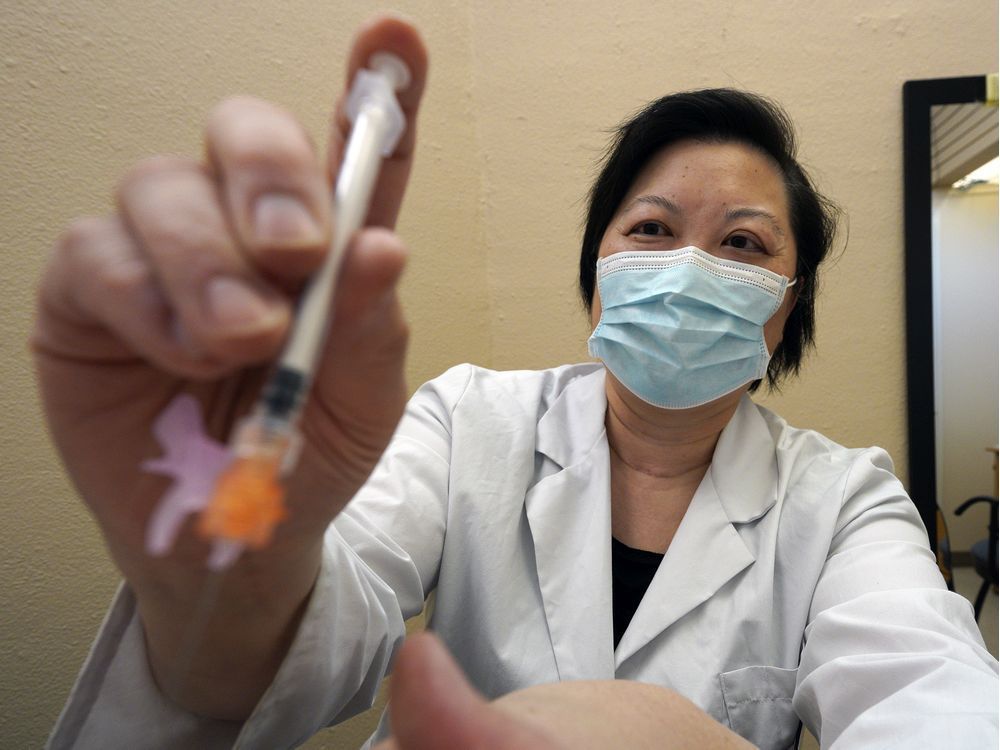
pixel 636 519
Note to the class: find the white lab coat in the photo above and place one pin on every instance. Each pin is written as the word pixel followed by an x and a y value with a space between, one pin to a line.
pixel 799 585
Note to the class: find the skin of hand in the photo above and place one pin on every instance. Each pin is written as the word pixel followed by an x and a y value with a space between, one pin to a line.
pixel 189 287
pixel 433 707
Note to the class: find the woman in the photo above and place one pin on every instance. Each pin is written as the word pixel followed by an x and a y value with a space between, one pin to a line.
pixel 580 523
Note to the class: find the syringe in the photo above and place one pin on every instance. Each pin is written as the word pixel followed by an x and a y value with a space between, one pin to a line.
pixel 249 500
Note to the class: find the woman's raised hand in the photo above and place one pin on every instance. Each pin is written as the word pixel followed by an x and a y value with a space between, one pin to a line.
pixel 190 286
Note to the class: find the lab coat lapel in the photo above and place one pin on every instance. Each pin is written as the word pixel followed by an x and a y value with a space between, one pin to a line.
pixel 569 514
pixel 708 551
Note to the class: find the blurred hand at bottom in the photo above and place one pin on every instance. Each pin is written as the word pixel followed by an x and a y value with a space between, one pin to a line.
pixel 433 707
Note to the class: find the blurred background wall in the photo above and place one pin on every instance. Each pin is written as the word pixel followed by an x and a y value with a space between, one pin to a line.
pixel 515 117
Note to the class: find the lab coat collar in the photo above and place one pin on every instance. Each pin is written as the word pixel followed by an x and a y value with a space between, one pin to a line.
pixel 574 422
pixel 744 467
pixel 708 550
pixel 569 515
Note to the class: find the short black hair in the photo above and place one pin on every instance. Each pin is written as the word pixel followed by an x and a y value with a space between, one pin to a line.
pixel 720 116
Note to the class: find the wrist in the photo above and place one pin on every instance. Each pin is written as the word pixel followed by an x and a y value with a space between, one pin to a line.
pixel 216 641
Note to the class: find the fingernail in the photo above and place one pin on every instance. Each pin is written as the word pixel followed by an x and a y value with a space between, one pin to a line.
pixel 281 219
pixel 234 305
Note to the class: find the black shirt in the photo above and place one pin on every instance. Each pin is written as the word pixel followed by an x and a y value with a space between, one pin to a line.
pixel 631 572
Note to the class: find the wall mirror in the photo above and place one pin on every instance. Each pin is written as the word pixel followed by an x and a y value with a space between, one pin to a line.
pixel 950 234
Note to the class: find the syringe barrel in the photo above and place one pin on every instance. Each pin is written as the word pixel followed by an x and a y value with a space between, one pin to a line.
pixel 378 124
pixel 358 172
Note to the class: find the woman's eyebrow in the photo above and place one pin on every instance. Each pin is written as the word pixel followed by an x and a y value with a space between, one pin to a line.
pixel 656 200
pixel 755 213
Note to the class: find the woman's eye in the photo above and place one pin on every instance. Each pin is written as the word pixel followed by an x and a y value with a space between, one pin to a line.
pixel 744 242
pixel 650 229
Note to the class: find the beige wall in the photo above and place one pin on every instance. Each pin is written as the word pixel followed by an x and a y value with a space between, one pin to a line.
pixel 520 96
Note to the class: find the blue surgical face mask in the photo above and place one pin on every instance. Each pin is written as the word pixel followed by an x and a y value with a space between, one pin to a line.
pixel 682 328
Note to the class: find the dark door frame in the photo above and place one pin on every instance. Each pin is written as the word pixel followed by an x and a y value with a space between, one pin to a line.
pixel 918 98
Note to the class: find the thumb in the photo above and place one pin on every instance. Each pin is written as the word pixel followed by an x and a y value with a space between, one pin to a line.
pixel 359 391
pixel 433 707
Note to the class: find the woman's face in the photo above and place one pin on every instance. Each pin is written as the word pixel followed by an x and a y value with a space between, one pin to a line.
pixel 726 198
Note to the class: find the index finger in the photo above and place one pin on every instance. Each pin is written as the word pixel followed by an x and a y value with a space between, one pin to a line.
pixel 384 34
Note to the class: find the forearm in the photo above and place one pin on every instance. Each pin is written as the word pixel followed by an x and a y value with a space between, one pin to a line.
pixel 215 644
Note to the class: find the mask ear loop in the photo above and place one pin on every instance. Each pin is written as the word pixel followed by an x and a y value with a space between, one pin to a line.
pixel 795 301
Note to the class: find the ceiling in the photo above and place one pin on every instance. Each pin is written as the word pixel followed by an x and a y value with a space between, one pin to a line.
pixel 963 137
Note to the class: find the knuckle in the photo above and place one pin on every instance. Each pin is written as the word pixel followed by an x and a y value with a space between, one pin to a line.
pixel 185 251
pixel 233 108
pixel 124 277
pixel 79 236
pixel 171 211
pixel 92 249
pixel 251 133
pixel 152 169
pixel 168 234
pixel 385 238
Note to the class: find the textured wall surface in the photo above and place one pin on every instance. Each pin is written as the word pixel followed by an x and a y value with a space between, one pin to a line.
pixel 520 98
